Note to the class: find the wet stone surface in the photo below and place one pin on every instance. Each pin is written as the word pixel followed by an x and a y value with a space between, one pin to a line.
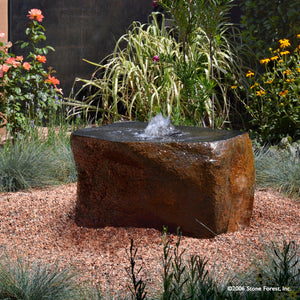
pixel 199 179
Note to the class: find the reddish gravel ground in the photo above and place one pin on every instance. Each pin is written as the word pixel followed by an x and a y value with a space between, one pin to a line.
pixel 39 225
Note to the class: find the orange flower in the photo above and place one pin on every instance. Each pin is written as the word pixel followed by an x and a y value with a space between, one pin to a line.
pixel 41 58
pixel 19 58
pixel 52 80
pixel 26 65
pixel 284 93
pixel 35 14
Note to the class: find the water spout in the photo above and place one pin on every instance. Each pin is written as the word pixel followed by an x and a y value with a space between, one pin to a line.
pixel 160 127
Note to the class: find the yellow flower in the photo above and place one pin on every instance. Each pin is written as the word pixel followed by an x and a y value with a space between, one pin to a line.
pixel 270 99
pixel 269 81
pixel 280 60
pixel 274 57
pixel 233 87
pixel 254 85
pixel 287 72
pixel 290 80
pixel 293 294
pixel 284 52
pixel 298 36
pixel 284 43
pixel 281 104
pixel 260 93
pixel 264 61
pixel 277 50
pixel 283 93
pixel 249 74
pixel 298 70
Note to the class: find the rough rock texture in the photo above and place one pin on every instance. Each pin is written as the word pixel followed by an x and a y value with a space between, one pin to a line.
pixel 150 184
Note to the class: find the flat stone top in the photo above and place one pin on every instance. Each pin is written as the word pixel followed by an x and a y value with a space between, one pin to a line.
pixel 134 132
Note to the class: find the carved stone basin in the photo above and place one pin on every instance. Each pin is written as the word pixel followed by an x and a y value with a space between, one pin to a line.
pixel 199 179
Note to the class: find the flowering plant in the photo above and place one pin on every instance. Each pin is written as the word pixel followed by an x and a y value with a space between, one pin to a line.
pixel 274 100
pixel 28 93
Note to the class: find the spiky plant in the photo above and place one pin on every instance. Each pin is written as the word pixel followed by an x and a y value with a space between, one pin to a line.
pixel 278 168
pixel 35 281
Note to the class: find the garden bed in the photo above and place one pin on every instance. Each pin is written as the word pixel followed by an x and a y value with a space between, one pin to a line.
pixel 39 225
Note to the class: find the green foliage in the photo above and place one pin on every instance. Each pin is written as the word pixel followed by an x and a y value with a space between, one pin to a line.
pixel 22 280
pixel 129 84
pixel 28 93
pixel 279 268
pixel 203 27
pixel 35 161
pixel 264 23
pixel 187 79
pixel 138 285
pixel 279 168
pixel 274 100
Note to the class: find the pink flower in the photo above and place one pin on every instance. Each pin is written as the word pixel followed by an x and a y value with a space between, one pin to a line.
pixel 154 3
pixel 5 68
pixel 155 58
pixel 35 14
pixel 26 65
pixel 10 60
pixel 1 71
pixel 19 58
pixel 2 34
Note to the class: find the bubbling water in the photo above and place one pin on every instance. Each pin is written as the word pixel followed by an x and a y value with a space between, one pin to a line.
pixel 160 127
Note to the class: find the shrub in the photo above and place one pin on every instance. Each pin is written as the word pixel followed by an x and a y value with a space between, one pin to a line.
pixel 28 93
pixel 264 24
pixel 274 102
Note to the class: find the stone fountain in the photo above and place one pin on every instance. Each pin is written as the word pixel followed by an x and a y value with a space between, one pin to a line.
pixel 135 174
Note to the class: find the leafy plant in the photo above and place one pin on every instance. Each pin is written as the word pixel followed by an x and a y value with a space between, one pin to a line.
pixel 138 290
pixel 28 93
pixel 274 102
pixel 203 27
